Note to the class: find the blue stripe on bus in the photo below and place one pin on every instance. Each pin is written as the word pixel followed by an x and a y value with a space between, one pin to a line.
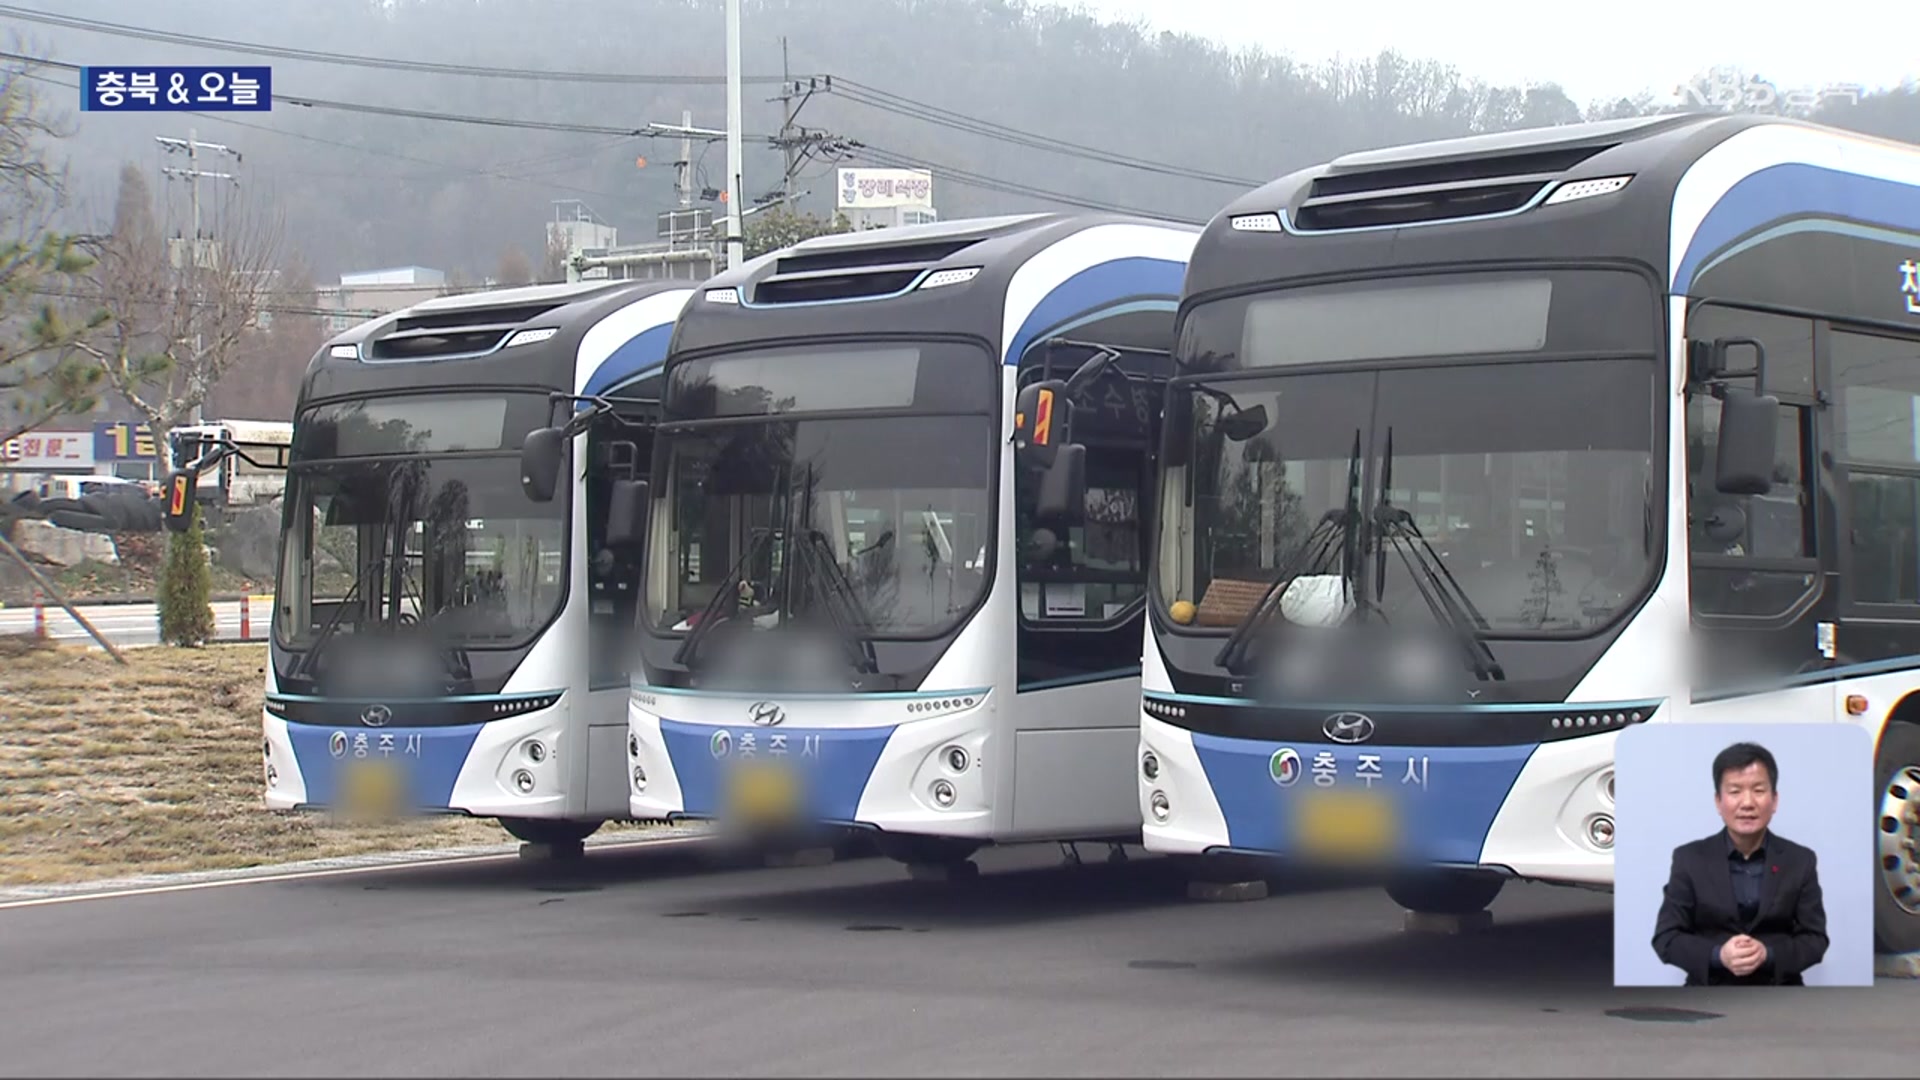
pixel 1795 190
pixel 644 350
pixel 833 779
pixel 430 775
pixel 1446 821
pixel 1131 278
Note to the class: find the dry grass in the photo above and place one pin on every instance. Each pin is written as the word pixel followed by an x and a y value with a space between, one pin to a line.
pixel 110 771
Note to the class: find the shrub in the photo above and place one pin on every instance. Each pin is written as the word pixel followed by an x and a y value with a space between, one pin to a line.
pixel 186 587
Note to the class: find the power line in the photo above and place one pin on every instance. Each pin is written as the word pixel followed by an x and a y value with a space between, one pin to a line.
pixel 860 93
pixel 319 56
pixel 874 98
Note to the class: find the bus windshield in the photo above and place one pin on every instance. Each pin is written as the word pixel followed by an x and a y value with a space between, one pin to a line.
pixel 847 482
pixel 408 513
pixel 1532 481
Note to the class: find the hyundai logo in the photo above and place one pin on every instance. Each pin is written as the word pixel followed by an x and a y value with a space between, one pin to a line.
pixel 376 716
pixel 766 713
pixel 1348 727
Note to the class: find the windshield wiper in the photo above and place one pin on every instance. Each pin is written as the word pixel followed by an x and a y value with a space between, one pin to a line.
pixel 1342 524
pixel 1450 604
pixel 326 632
pixel 726 589
pixel 842 602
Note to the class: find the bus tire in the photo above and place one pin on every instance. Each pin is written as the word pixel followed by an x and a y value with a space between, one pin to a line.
pixel 1445 892
pixel 549 831
pixel 1896 784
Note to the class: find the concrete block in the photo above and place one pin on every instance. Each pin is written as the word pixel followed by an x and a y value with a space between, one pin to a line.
pixel 1224 892
pixel 552 852
pixel 1475 922
pixel 964 870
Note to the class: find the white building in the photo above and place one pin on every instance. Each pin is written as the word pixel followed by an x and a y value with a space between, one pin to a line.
pixel 885 198
pixel 366 294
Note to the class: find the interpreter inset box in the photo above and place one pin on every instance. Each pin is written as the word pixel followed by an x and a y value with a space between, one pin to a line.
pixel 1744 854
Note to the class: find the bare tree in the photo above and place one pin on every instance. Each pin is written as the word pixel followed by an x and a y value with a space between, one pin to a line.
pixel 38 265
pixel 181 311
pixel 555 266
pixel 513 268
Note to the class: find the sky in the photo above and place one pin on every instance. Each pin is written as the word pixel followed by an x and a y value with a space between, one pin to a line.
pixel 1593 50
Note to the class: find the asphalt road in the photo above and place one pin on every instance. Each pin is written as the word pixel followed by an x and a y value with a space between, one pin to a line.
pixel 657 963
pixel 131 624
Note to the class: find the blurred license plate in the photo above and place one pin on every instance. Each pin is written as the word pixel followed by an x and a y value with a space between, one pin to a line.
pixel 375 788
pixel 1344 825
pixel 762 793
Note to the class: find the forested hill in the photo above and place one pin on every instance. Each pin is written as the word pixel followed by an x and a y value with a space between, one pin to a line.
pixel 1015 106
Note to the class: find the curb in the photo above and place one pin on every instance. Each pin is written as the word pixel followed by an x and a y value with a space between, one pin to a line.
pixel 18 893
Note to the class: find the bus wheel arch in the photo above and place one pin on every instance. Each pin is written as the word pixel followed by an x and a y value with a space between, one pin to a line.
pixel 1896 783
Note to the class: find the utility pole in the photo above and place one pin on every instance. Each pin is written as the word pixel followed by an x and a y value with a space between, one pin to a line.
pixel 787 147
pixel 798 144
pixel 193 174
pixel 736 240
pixel 683 169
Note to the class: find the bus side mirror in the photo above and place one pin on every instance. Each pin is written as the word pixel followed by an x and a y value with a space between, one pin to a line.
pixel 1042 419
pixel 1244 424
pixel 1176 424
pixel 1749 430
pixel 1062 498
pixel 181 488
pixel 540 459
pixel 627 512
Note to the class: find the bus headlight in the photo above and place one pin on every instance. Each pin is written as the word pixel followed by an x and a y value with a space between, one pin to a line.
pixel 943 793
pixel 639 778
pixel 633 745
pixel 1150 766
pixel 535 750
pixel 523 780
pixel 957 759
pixel 1162 809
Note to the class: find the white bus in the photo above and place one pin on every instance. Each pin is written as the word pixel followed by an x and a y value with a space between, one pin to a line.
pixel 451 630
pixel 1483 451
pixel 862 613
pixel 254 478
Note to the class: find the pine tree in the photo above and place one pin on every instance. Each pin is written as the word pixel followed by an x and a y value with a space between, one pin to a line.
pixel 186 585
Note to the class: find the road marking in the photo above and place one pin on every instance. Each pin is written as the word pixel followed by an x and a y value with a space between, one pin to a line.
pixel 388 862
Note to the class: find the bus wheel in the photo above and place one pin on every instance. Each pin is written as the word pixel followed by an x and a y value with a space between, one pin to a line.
pixel 1445 892
pixel 934 850
pixel 547 831
pixel 1896 904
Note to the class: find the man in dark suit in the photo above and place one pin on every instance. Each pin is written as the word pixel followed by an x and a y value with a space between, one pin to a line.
pixel 1743 906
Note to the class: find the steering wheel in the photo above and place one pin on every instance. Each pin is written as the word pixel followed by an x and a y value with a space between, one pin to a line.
pixel 408 618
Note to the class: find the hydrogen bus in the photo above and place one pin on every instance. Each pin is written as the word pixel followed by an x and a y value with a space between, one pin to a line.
pixel 867 611
pixel 1481 452
pixel 450 632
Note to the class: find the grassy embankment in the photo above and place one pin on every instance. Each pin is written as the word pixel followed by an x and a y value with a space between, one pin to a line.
pixel 110 771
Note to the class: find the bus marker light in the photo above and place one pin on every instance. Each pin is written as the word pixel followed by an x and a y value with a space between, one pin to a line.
pixel 1256 223
pixel 344 352
pixel 1587 189
pixel 1856 705
pixel 1600 830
